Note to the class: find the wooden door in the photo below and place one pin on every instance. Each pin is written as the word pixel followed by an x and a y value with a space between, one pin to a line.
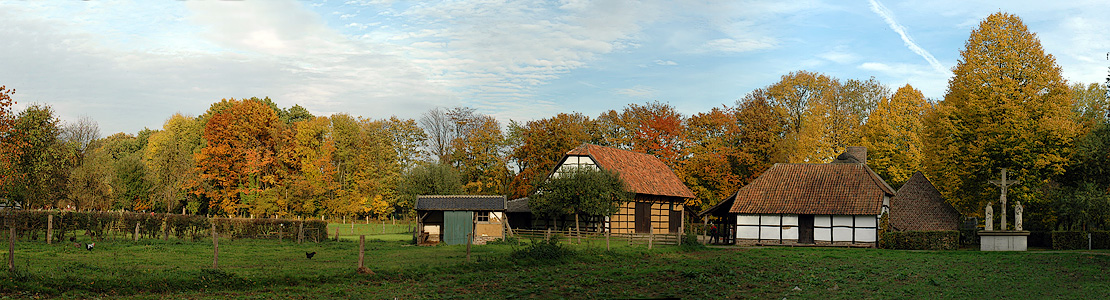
pixel 643 217
pixel 457 227
pixel 675 221
pixel 805 229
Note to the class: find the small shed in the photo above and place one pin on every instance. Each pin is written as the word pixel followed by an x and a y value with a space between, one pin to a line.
pixel 519 213
pixel 918 206
pixel 453 219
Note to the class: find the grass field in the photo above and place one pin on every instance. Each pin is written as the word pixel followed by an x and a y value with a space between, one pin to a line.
pixel 263 269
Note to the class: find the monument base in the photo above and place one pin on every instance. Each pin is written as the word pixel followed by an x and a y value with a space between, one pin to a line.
pixel 1003 240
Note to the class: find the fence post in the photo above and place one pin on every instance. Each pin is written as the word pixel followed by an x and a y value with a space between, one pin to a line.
pixel 215 246
pixel 651 239
pixel 469 239
pixel 11 248
pixel 300 233
pixel 49 229
pixel 607 241
pixel 135 236
pixel 361 250
pixel 165 230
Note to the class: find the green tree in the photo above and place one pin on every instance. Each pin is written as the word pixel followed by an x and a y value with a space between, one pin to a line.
pixel 1091 103
pixel 428 179
pixel 170 164
pixel 1007 107
pixel 581 191
pixel 42 162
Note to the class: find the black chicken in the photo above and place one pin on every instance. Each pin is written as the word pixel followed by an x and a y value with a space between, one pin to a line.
pixel 310 254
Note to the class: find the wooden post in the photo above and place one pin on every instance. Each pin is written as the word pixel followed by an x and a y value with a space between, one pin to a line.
pixel 651 239
pixel 135 236
pixel 383 226
pixel 49 228
pixel 11 248
pixel 280 227
pixel 165 230
pixel 336 234
pixel 607 241
pixel 215 246
pixel 361 249
pixel 300 233
pixel 577 230
pixel 470 238
pixel 352 227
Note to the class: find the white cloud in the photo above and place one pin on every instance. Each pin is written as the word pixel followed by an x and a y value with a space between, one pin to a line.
pixel 638 91
pixel 888 16
pixel 735 46
pixel 665 62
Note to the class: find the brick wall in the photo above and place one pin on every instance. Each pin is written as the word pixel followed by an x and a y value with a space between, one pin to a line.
pixel 918 206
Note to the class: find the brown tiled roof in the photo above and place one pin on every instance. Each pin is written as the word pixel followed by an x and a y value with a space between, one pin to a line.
pixel 644 173
pixel 819 189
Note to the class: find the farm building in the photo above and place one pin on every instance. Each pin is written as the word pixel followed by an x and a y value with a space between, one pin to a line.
pixel 452 219
pixel 918 206
pixel 657 205
pixel 838 203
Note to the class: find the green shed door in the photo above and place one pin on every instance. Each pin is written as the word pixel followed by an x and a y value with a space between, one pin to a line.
pixel 457 226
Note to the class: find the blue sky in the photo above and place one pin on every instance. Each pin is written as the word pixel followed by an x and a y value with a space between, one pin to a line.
pixel 132 64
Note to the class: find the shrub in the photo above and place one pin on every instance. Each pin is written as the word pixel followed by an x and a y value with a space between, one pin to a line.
pixel 920 240
pixel 33 224
pixel 1072 240
pixel 544 250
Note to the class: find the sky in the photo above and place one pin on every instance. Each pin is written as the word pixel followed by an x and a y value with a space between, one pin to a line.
pixel 130 65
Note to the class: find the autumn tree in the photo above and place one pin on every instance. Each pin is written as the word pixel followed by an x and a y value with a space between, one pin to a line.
pixel 654 128
pixel 440 129
pixel 538 145
pixel 478 152
pixel 9 152
pixel 239 158
pixel 823 116
pixel 90 184
pixel 1007 107
pixel 170 163
pixel 893 135
pixel 1092 105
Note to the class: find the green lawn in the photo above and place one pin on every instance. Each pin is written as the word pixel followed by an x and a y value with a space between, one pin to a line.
pixel 399 231
pixel 272 269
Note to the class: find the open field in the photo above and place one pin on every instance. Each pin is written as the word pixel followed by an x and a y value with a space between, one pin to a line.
pixel 271 269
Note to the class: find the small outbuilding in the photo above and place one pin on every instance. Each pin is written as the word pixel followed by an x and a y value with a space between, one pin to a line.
pixel 837 203
pixel 455 219
pixel 918 206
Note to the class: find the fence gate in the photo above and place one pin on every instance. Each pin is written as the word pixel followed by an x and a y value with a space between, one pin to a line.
pixel 457 226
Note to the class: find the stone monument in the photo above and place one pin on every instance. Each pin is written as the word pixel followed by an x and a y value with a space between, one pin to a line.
pixel 1003 239
pixel 989 225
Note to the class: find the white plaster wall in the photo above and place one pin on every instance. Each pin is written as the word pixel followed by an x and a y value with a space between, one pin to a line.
pixel 822 234
pixel 769 219
pixel 747 232
pixel 822 220
pixel 747 220
pixel 769 232
pixel 841 220
pixel 842 234
pixel 867 221
pixel 866 235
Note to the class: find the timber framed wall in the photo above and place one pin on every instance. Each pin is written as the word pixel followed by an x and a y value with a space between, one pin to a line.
pixel 784 228
pixel 646 214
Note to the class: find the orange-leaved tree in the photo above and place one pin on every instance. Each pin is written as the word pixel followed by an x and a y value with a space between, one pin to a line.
pixel 239 159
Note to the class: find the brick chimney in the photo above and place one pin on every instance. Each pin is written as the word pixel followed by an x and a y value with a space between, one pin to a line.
pixel 860 153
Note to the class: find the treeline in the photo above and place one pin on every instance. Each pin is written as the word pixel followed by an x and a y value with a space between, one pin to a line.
pixel 251 157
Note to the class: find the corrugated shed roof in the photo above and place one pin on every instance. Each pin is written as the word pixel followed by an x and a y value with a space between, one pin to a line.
pixel 518 205
pixel 837 189
pixel 460 202
pixel 644 173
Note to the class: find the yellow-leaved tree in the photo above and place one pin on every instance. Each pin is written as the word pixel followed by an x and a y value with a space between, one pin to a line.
pixel 1007 107
pixel 893 135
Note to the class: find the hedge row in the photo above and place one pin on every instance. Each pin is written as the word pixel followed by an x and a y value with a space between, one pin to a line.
pixel 920 240
pixel 1071 240
pixel 32 224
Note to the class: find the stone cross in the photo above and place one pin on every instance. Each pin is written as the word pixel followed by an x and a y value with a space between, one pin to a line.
pixel 1005 183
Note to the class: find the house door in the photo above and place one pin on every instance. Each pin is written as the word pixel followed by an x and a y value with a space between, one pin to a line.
pixel 805 229
pixel 643 217
pixel 457 226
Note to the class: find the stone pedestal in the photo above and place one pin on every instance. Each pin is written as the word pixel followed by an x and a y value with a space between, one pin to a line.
pixel 1003 240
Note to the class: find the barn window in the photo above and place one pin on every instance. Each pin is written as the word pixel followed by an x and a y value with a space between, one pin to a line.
pixel 483 216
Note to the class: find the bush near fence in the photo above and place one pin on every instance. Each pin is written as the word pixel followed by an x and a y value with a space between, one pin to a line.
pixel 1072 240
pixel 32 224
pixel 920 240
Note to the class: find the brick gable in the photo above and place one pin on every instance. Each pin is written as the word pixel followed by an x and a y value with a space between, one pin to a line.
pixel 918 206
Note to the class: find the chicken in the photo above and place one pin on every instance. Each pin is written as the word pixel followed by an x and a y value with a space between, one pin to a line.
pixel 310 254
pixel 89 246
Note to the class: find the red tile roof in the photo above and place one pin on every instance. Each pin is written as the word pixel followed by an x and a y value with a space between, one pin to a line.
pixel 644 173
pixel 819 189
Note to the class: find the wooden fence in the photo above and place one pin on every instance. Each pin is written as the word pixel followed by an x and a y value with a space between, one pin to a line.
pixel 630 238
